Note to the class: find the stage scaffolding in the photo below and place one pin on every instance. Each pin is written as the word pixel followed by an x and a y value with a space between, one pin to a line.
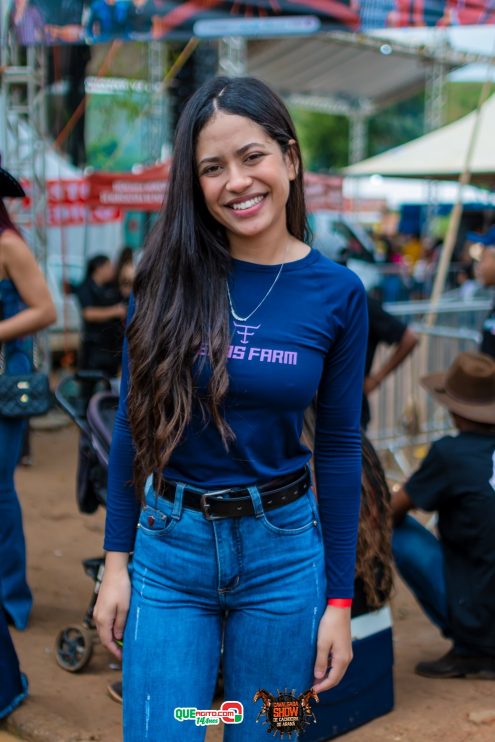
pixel 23 113
pixel 23 134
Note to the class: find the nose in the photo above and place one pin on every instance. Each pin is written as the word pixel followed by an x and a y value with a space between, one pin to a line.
pixel 238 180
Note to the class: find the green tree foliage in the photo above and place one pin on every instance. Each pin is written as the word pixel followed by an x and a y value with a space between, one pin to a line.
pixel 323 138
pixel 396 125
pixel 462 98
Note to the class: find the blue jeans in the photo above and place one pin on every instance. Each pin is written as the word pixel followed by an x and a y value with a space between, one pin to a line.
pixel 419 558
pixel 254 583
pixel 15 595
pixel 13 685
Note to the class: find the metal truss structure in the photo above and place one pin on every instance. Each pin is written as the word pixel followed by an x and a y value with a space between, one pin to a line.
pixel 232 56
pixel 155 131
pixel 23 116
pixel 435 62
pixel 23 134
pixel 436 89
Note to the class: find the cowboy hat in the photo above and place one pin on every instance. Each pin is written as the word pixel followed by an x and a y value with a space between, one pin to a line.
pixel 467 388
pixel 9 186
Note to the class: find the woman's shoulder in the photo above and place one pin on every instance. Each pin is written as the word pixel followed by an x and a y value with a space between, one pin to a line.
pixel 343 277
pixel 10 244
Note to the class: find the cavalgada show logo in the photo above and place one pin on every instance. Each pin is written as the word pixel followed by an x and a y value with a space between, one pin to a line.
pixel 286 713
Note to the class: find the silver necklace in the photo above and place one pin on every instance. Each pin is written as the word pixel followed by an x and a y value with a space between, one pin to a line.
pixel 245 319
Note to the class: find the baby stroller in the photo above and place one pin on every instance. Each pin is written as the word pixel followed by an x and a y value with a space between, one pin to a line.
pixel 91 402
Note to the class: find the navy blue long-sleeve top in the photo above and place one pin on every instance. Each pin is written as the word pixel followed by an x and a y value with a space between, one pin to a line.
pixel 308 337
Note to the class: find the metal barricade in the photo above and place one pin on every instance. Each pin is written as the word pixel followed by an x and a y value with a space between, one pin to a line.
pixel 403 415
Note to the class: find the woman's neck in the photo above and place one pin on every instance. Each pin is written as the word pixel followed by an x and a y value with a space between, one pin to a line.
pixel 273 251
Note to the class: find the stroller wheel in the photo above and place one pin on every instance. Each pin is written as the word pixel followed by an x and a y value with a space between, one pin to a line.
pixel 73 648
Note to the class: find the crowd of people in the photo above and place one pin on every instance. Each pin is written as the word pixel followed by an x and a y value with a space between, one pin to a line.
pixel 407 266
pixel 240 523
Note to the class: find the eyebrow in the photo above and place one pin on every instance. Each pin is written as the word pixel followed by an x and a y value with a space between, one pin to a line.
pixel 240 151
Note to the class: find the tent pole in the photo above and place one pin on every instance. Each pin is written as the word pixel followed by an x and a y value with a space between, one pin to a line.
pixel 455 217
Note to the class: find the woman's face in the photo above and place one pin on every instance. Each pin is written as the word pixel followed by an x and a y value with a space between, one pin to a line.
pixel 244 176
pixel 485 269
pixel 126 279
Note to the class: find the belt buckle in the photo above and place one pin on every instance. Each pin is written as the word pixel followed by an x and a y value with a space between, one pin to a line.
pixel 205 505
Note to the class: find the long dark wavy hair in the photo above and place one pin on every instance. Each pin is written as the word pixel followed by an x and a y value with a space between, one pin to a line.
pixel 180 287
pixel 6 221
pixel 373 577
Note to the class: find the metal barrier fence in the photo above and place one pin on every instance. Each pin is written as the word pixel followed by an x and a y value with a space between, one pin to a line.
pixel 403 415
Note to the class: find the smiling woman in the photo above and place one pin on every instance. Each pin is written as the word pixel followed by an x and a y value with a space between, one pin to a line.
pixel 235 324
pixel 245 175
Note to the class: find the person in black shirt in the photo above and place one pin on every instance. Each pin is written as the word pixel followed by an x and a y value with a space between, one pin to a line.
pixel 485 273
pixel 383 328
pixel 103 313
pixel 453 577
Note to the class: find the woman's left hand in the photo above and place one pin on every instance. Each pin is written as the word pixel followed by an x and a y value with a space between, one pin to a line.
pixel 334 648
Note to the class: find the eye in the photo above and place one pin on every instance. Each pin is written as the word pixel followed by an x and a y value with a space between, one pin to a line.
pixel 210 170
pixel 254 157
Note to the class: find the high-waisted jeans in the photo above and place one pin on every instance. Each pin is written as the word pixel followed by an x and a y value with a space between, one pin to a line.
pixel 15 595
pixel 257 582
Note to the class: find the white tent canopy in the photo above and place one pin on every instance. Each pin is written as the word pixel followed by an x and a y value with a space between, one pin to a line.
pixel 441 154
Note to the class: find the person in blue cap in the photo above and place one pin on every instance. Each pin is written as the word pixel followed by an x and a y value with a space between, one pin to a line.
pixel 485 273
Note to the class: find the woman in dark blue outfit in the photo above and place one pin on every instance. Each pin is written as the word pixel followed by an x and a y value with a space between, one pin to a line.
pixel 26 307
pixel 236 324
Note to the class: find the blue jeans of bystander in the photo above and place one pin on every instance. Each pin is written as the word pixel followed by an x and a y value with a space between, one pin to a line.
pixel 15 595
pixel 419 559
pixel 257 581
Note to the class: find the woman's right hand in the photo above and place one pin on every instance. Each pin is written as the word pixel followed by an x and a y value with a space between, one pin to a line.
pixel 112 606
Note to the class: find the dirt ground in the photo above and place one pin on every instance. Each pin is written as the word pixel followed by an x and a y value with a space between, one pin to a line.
pixel 58 537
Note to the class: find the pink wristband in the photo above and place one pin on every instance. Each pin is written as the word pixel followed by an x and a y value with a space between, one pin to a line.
pixel 340 602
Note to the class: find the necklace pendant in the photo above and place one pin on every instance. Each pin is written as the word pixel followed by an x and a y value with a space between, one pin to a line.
pixel 245 319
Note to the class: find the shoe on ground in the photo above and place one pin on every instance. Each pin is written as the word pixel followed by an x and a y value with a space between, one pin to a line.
pixel 115 691
pixel 453 665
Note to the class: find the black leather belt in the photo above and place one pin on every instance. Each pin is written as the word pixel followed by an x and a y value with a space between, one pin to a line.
pixel 236 501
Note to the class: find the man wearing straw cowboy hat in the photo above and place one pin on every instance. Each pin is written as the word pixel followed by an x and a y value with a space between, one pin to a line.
pixel 453 577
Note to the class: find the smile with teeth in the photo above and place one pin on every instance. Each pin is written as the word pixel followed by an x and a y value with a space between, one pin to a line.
pixel 243 205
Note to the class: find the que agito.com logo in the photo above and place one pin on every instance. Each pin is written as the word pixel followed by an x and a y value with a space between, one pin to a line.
pixel 230 712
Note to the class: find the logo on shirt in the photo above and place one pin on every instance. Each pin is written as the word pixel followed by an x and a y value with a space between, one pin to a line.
pixel 247 352
pixel 244 331
pixel 285 713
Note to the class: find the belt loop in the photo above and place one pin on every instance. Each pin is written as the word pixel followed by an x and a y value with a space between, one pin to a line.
pixel 147 486
pixel 256 499
pixel 179 493
pixel 311 479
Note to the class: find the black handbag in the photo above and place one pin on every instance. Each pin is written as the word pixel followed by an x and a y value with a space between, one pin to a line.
pixel 23 395
pixel 27 395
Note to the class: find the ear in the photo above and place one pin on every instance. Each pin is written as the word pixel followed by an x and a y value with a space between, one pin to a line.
pixel 292 160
